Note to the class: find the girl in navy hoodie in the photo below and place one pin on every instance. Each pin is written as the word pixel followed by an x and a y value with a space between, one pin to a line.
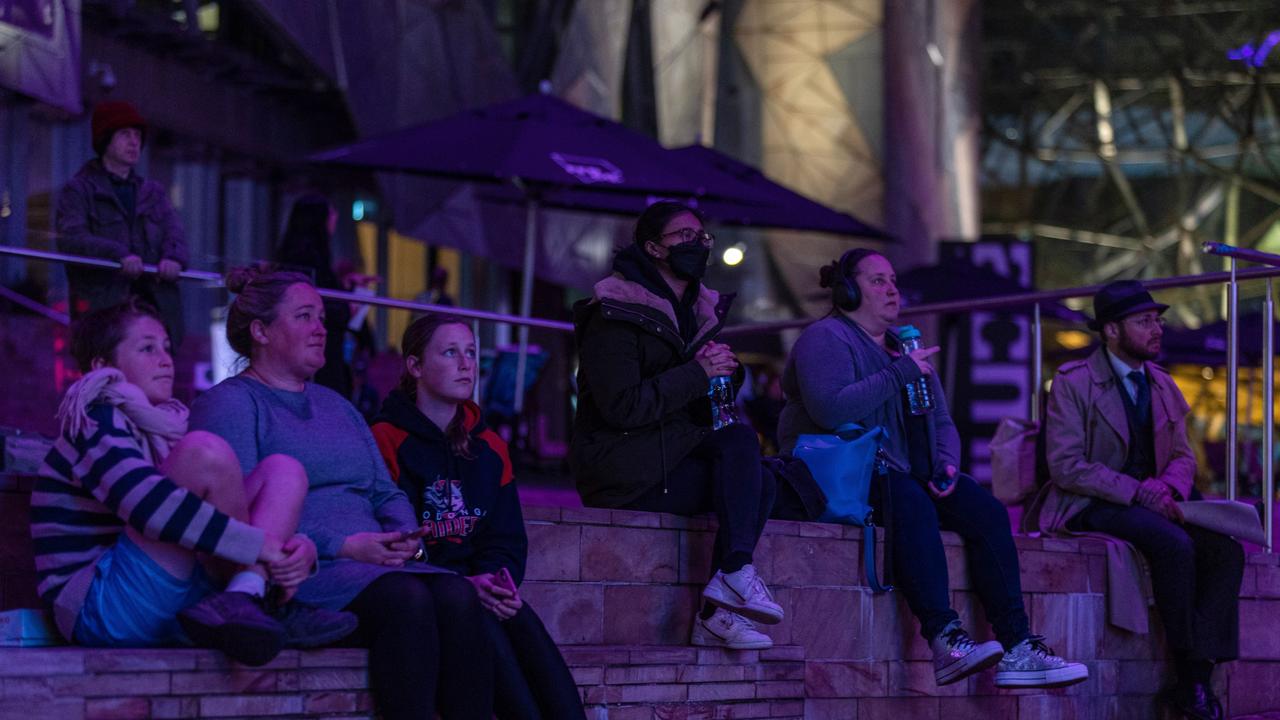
pixel 457 473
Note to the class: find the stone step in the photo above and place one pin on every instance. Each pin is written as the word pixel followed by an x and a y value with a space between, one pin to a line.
pixel 614 578
pixel 627 682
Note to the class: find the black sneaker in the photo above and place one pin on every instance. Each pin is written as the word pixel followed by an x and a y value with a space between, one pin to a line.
pixel 1196 702
pixel 307 626
pixel 237 624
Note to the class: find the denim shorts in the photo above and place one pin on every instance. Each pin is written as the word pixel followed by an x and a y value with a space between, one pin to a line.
pixel 133 602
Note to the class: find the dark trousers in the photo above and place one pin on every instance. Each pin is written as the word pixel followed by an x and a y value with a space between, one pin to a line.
pixel 426 633
pixel 1195 576
pixel 722 474
pixel 533 681
pixel 920 564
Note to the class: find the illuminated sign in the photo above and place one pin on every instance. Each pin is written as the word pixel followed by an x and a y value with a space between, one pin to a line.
pixel 1255 56
pixel 589 170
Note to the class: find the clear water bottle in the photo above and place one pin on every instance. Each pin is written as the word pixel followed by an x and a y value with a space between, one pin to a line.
pixel 724 411
pixel 919 396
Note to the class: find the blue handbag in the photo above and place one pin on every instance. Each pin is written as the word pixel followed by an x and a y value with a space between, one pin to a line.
pixel 844 465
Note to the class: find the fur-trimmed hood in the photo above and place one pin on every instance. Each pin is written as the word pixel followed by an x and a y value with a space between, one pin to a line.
pixel 630 301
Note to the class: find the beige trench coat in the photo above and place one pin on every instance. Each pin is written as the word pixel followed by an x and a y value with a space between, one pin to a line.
pixel 1087 440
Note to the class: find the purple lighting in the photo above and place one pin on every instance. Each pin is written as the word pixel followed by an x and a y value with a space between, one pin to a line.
pixel 1252 56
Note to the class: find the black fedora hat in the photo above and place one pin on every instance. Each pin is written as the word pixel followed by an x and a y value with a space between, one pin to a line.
pixel 1120 299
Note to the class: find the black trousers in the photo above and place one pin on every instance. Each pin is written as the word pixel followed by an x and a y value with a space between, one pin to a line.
pixel 428 646
pixel 920 563
pixel 722 474
pixel 1195 576
pixel 533 682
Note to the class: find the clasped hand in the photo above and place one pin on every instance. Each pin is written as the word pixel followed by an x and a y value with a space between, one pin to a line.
pixel 290 562
pixel 716 359
pixel 1157 497
pixel 392 549
pixel 495 597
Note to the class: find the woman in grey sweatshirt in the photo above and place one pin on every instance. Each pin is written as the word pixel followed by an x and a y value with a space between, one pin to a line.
pixel 850 367
pixel 412 615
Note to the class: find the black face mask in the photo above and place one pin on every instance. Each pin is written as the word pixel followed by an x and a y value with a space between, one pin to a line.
pixel 688 260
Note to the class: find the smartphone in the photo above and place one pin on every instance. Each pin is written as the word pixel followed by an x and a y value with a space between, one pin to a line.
pixel 413 534
pixel 505 580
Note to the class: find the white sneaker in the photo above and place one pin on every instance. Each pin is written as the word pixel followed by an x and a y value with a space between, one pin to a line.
pixel 745 593
pixel 731 630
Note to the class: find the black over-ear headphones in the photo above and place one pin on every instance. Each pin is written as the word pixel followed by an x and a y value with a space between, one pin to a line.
pixel 844 289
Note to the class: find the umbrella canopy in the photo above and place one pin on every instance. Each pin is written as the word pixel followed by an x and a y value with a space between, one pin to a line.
pixel 957 280
pixel 569 158
pixel 1208 345
pixel 539 140
pixel 734 194
pixel 744 196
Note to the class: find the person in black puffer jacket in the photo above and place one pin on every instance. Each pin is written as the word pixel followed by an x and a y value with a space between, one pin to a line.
pixel 643 438
pixel 458 475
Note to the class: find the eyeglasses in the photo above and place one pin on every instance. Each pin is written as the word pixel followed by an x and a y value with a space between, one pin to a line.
pixel 1147 322
pixel 691 234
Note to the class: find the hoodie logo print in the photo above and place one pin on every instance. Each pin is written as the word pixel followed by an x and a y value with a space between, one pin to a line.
pixel 444 511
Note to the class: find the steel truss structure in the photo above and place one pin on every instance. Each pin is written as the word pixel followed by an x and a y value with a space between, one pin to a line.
pixel 1120 135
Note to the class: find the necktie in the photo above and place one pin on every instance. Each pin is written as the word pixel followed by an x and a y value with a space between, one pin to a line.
pixel 1143 401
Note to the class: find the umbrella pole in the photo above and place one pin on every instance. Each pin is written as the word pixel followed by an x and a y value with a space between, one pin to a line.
pixel 526 304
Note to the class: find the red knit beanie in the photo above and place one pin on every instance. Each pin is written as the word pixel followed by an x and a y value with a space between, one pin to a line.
pixel 113 115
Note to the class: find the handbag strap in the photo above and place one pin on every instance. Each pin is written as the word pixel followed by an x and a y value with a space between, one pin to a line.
pixel 849 428
pixel 869 558
pixel 869 534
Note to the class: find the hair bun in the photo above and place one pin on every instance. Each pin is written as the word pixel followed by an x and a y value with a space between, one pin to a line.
pixel 239 278
pixel 828 274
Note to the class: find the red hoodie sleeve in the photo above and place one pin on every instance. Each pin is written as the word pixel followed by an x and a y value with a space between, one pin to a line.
pixel 389 437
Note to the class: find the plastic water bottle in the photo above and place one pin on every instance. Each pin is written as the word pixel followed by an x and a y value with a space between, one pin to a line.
pixel 724 412
pixel 919 396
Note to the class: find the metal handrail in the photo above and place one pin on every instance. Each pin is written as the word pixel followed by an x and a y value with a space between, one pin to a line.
pixel 1000 302
pixel 215 279
pixel 1268 380
pixel 1020 300
pixel 1233 277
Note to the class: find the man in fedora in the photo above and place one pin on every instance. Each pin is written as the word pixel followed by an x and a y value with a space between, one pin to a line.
pixel 110 211
pixel 1119 462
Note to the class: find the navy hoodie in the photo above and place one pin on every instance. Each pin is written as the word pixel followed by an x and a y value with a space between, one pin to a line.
pixel 469 506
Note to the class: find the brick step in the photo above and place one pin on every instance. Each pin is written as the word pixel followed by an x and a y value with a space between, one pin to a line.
pixel 614 578
pixel 619 682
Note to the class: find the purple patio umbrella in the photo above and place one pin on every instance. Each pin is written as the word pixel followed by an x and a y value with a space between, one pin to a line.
pixel 540 150
pixel 1207 345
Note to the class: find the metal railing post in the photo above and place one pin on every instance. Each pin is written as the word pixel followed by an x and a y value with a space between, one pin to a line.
pixel 475 333
pixel 1233 378
pixel 1268 414
pixel 1037 362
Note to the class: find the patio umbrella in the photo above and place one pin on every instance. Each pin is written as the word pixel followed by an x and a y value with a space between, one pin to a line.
pixel 733 193
pixel 1207 345
pixel 959 280
pixel 542 151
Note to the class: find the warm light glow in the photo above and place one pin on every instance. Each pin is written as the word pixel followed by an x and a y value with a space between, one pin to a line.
pixel 1073 339
pixel 732 255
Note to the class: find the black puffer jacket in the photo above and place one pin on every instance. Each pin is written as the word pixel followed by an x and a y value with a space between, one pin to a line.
pixel 642 398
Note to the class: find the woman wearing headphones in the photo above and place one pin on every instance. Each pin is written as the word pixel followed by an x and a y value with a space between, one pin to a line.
pixel 849 367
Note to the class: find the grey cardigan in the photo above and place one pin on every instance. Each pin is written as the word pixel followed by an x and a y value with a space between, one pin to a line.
pixel 836 374
pixel 351 490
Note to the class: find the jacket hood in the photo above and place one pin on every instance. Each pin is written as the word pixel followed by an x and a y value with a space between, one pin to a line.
pixel 400 410
pixel 710 308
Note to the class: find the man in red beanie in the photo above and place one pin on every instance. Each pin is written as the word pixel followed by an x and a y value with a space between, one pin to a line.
pixel 109 211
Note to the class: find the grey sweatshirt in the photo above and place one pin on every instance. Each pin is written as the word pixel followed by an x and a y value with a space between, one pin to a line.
pixel 351 490
pixel 837 374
